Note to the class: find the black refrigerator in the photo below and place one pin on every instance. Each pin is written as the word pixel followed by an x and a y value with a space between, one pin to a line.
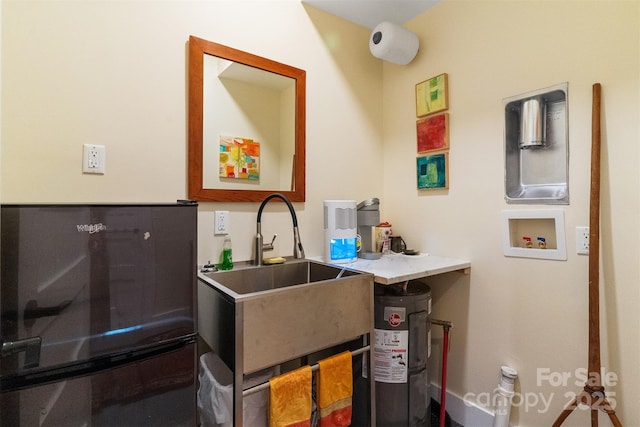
pixel 98 312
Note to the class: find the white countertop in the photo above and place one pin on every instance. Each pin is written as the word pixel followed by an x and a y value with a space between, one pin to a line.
pixel 397 268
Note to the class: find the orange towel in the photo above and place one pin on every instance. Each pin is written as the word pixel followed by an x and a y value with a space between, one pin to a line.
pixel 290 399
pixel 335 390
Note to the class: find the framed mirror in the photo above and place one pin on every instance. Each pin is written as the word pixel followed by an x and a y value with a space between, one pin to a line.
pixel 246 135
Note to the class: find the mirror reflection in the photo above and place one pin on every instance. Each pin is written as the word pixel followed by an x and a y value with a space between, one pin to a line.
pixel 249 126
pixel 246 125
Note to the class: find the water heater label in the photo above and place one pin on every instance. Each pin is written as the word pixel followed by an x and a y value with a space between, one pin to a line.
pixel 391 352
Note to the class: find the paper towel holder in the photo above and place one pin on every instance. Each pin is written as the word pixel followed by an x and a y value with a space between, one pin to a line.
pixel 393 43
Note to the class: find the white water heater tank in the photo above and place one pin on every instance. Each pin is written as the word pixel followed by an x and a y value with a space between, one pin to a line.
pixel 340 229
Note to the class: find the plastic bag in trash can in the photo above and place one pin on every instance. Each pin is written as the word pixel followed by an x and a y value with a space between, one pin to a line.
pixel 215 395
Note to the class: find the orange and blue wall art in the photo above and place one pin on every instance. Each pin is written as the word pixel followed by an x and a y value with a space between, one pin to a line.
pixel 239 158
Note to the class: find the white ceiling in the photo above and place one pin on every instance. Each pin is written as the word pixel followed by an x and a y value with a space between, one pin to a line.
pixel 369 13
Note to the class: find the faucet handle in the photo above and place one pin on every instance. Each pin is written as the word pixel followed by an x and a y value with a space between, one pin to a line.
pixel 269 246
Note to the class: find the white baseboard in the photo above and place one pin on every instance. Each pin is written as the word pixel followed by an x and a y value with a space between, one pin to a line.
pixel 463 412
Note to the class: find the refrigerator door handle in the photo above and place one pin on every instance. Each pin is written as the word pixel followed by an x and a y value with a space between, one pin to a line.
pixel 30 346
pixel 32 312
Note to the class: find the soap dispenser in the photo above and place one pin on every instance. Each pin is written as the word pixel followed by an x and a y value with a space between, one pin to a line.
pixel 227 255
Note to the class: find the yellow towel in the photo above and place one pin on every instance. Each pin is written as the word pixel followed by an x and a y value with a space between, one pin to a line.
pixel 290 399
pixel 335 390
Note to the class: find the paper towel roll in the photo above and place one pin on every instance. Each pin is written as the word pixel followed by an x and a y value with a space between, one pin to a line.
pixel 393 43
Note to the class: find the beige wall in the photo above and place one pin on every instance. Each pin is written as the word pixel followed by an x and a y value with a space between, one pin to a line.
pixel 525 313
pixel 114 73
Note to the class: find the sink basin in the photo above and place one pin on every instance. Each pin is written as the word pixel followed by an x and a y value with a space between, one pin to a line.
pixel 252 280
pixel 258 317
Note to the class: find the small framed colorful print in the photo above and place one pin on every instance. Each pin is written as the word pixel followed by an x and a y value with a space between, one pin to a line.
pixel 433 133
pixel 432 95
pixel 433 171
pixel 239 158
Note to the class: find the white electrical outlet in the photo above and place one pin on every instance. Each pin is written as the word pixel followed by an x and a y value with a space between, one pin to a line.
pixel 221 222
pixel 582 240
pixel 93 158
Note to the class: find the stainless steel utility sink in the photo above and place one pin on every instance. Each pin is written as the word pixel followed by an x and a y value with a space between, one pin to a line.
pixel 252 280
pixel 258 317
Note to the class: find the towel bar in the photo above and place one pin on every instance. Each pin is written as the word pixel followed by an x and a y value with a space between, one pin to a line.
pixel 265 385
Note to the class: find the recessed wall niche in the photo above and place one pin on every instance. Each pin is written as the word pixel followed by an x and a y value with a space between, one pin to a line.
pixel 534 234
pixel 536 147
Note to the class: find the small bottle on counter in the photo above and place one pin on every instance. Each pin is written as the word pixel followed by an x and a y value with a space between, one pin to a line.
pixel 227 256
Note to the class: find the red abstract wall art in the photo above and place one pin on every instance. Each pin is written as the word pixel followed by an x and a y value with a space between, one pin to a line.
pixel 433 133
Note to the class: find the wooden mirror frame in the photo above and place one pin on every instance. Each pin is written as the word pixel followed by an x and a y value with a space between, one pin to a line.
pixel 197 49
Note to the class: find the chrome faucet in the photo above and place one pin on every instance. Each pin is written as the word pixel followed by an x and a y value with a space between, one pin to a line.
pixel 260 247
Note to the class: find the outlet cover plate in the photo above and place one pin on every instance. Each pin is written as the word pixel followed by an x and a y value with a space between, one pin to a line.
pixel 93 159
pixel 582 240
pixel 221 222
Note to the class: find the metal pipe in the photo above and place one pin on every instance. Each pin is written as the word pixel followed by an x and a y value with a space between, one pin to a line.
pixel 532 123
pixel 446 325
